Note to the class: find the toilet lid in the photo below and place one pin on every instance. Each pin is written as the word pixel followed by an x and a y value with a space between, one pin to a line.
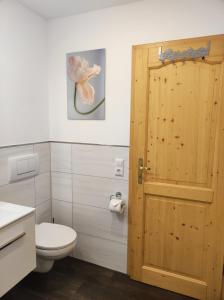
pixel 54 236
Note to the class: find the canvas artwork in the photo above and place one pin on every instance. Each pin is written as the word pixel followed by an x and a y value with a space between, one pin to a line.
pixel 86 85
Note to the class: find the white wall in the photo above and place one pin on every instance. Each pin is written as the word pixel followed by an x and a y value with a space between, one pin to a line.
pixel 117 29
pixel 23 64
pixel 23 75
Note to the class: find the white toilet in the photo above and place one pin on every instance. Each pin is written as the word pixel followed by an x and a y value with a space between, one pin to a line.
pixel 53 242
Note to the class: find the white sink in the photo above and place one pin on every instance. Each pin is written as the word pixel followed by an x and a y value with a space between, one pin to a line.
pixel 10 213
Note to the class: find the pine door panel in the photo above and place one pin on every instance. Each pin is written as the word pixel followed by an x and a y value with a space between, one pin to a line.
pixel 175 231
pixel 176 214
pixel 182 110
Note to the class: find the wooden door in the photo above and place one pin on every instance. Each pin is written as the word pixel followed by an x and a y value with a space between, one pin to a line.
pixel 176 215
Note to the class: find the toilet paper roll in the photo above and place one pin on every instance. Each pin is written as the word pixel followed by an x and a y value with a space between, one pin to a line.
pixel 117 205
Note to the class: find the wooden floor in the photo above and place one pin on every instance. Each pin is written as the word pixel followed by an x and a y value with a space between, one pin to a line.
pixel 72 279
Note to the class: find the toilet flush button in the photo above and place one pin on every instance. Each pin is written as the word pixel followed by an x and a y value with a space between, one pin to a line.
pixel 22 167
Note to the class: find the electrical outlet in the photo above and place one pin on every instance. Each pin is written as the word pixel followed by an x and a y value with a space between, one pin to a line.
pixel 119 167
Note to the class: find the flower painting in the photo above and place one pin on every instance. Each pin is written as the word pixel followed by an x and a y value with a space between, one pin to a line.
pixel 86 85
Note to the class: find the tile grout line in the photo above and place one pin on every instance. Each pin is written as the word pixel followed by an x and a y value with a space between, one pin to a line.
pixel 72 188
pixel 35 196
pixel 49 144
pixel 94 176
pixel 103 238
pixel 59 142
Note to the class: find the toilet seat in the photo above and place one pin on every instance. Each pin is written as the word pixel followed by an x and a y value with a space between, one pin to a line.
pixel 54 236
pixel 55 254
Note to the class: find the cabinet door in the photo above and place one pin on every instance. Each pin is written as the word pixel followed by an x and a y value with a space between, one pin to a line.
pixel 17 252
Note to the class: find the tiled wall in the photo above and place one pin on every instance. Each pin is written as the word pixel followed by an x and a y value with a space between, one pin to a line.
pixel 35 192
pixel 82 181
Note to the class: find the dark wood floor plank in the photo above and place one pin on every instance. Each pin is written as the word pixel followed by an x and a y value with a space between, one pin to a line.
pixel 72 279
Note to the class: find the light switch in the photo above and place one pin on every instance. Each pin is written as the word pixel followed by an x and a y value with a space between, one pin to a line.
pixel 119 167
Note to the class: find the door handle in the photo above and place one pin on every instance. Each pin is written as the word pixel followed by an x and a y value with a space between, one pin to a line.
pixel 144 168
pixel 141 170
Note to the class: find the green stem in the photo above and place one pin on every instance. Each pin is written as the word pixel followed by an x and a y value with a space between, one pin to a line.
pixel 87 112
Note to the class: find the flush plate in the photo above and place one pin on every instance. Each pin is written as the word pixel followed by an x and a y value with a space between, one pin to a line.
pixel 23 166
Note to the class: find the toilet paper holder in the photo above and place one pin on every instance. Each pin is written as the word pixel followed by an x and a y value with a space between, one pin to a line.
pixel 117 204
pixel 118 195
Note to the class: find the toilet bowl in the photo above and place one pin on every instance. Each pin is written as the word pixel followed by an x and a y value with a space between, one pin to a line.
pixel 53 242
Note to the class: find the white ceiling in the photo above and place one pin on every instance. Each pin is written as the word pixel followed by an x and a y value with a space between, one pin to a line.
pixel 62 8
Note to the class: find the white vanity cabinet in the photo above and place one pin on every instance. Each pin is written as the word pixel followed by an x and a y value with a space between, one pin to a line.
pixel 17 244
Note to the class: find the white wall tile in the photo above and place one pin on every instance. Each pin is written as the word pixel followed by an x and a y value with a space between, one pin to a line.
pixel 62 212
pixel 43 212
pixel 43 151
pixel 42 188
pixel 22 193
pixel 102 252
pixel 26 191
pixel 102 235
pixel 96 191
pixel 5 153
pixel 62 186
pixel 100 223
pixel 98 160
pixel 61 157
